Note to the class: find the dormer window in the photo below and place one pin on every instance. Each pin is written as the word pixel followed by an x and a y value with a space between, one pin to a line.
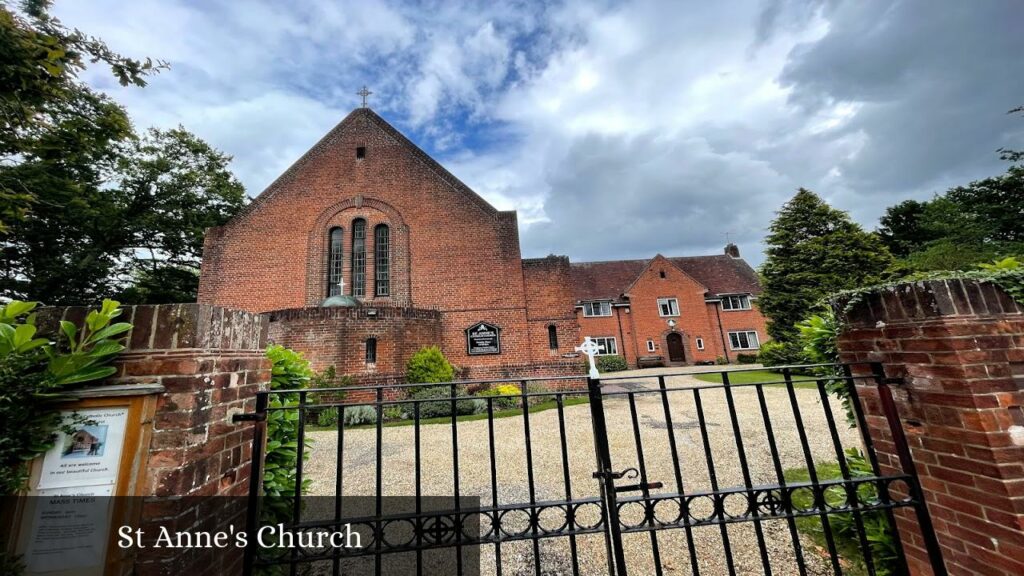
pixel 736 302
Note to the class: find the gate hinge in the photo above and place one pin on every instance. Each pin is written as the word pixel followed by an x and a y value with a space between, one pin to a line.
pixel 255 417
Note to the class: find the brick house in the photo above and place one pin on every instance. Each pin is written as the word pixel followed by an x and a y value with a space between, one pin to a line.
pixel 414 257
pixel 679 310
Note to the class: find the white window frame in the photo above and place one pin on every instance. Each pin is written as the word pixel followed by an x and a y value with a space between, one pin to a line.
pixel 604 308
pixel 735 302
pixel 751 337
pixel 602 342
pixel 650 345
pixel 671 303
pixel 700 343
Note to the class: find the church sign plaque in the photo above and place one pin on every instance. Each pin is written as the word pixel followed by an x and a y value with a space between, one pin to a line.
pixel 483 338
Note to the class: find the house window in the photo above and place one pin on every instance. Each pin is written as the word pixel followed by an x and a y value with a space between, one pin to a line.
pixel 552 337
pixel 668 306
pixel 335 240
pixel 359 257
pixel 371 350
pixel 360 152
pixel 736 302
pixel 700 343
pixel 597 309
pixel 746 340
pixel 650 345
pixel 661 273
pixel 382 260
pixel 605 345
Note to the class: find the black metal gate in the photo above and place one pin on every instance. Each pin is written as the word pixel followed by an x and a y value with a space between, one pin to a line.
pixel 703 478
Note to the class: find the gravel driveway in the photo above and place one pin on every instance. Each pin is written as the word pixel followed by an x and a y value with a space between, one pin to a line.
pixel 517 557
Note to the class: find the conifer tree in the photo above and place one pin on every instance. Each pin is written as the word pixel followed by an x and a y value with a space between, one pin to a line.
pixel 813 251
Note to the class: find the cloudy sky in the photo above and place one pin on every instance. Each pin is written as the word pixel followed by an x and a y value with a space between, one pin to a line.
pixel 616 129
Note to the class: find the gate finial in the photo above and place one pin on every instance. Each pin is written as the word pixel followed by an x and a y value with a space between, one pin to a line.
pixel 590 348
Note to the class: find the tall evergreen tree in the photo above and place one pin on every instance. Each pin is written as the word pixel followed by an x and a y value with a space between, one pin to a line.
pixel 813 251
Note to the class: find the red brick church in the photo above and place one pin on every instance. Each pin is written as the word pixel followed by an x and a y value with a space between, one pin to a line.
pixel 366 249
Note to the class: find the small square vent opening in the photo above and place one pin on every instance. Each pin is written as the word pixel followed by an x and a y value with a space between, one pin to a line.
pixel 360 152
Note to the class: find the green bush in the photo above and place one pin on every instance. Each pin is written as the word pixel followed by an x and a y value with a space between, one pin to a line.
pixel 328 378
pixel 289 371
pixel 426 366
pixel 775 353
pixel 506 396
pixel 327 417
pixel 611 363
pixel 34 370
pixel 879 532
pixel 394 412
pixel 359 415
pixel 746 358
pixel 441 408
pixel 721 361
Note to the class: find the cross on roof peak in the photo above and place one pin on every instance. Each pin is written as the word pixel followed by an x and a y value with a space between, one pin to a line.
pixel 364 93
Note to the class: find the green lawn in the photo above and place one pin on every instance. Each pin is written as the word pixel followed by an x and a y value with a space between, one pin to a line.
pixel 754 376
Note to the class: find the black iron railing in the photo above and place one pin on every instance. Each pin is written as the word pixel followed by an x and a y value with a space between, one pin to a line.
pixel 607 490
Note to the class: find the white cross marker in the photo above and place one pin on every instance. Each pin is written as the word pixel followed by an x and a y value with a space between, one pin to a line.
pixel 341 286
pixel 590 348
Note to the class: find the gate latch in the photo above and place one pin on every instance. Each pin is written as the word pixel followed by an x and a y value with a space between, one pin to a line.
pixel 627 473
pixel 254 417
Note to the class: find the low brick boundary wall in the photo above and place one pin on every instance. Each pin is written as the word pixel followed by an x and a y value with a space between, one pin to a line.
pixel 959 346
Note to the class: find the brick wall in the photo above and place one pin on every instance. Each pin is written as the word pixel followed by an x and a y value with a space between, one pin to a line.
pixel 549 302
pixel 450 249
pixel 646 319
pixel 959 346
pixel 337 337
pixel 210 362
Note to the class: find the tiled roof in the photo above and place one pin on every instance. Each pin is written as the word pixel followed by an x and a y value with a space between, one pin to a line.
pixel 720 274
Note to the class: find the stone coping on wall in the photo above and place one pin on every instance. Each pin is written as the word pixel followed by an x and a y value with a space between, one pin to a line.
pixel 116 390
pixel 366 311
pixel 172 326
pixel 922 300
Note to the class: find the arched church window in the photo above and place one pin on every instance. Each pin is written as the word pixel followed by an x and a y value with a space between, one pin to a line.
pixel 359 257
pixel 552 337
pixel 382 260
pixel 335 240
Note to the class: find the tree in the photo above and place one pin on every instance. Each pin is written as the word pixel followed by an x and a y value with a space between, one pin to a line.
pixel 813 251
pixel 125 220
pixel 964 226
pixel 40 97
pixel 89 209
pixel 175 187
pixel 902 228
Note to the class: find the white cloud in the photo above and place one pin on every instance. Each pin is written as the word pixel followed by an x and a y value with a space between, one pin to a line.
pixel 616 129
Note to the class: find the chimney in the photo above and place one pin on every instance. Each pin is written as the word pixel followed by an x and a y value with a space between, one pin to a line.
pixel 732 250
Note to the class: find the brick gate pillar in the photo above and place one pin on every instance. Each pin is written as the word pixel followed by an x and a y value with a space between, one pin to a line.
pixel 209 362
pixel 959 346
